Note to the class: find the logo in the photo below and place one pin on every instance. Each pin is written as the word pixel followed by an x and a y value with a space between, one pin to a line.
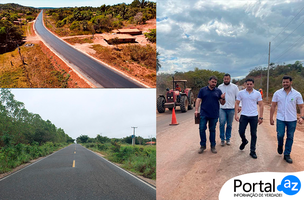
pixel 290 185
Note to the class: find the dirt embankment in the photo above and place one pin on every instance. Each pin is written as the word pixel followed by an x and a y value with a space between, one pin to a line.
pixel 75 81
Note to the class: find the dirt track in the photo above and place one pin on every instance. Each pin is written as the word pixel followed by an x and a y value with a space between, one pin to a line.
pixel 182 173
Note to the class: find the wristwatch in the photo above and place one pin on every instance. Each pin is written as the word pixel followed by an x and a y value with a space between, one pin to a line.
pixel 261 118
pixel 302 117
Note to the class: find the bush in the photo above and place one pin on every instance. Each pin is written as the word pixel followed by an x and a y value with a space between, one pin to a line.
pixel 151 36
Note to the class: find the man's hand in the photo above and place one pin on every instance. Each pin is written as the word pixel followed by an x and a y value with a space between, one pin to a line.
pixel 260 121
pixel 300 120
pixel 223 96
pixel 236 118
pixel 239 109
pixel 271 122
pixel 196 113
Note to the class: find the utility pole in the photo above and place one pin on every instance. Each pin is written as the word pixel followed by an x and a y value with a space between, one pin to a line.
pixel 133 136
pixel 268 71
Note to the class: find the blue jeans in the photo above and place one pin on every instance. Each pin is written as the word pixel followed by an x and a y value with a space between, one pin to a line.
pixel 203 127
pixel 226 116
pixel 291 127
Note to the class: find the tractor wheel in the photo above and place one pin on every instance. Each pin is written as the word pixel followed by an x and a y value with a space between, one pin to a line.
pixel 184 104
pixel 191 100
pixel 161 104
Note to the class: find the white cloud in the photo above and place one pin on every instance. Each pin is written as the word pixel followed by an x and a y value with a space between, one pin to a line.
pixel 228 34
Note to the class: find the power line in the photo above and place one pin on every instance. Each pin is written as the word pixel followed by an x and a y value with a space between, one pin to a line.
pixel 288 23
pixel 288 36
pixel 289 49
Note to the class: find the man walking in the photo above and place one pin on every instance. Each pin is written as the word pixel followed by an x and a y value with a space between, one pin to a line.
pixel 227 110
pixel 208 99
pixel 249 114
pixel 286 99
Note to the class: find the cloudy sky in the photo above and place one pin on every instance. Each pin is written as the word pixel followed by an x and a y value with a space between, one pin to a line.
pixel 66 3
pixel 109 112
pixel 229 36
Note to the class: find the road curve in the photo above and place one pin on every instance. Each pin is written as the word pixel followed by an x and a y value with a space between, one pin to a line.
pixel 92 177
pixel 101 75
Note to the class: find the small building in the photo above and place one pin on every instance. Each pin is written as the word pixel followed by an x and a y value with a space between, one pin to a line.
pixel 129 31
pixel 121 38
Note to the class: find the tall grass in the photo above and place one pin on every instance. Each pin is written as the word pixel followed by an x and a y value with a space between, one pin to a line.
pixel 38 71
pixel 139 159
pixel 13 156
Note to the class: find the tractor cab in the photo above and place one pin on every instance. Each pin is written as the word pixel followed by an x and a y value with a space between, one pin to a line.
pixel 179 95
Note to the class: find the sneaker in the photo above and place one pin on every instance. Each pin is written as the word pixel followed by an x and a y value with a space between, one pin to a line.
pixel 213 150
pixel 222 143
pixel 280 149
pixel 228 142
pixel 243 145
pixel 202 149
pixel 253 154
pixel 287 158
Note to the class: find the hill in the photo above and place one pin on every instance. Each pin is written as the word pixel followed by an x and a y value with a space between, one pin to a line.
pixel 276 73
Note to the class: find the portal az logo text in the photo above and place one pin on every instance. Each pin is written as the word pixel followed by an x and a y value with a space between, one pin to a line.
pixel 290 185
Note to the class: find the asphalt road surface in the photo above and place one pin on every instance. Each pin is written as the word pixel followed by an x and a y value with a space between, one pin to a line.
pixel 99 74
pixel 74 173
pixel 182 173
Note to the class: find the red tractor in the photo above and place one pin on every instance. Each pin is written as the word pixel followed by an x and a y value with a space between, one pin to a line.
pixel 176 97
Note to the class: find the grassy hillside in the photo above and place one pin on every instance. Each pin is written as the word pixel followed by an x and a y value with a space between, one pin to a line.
pixel 276 72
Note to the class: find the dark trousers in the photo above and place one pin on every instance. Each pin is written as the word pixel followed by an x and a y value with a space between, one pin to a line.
pixel 253 121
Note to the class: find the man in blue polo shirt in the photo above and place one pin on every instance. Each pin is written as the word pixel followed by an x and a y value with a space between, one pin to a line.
pixel 208 99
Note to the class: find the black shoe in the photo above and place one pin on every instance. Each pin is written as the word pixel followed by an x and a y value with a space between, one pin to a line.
pixel 280 149
pixel 243 145
pixel 202 149
pixel 253 154
pixel 287 158
pixel 213 150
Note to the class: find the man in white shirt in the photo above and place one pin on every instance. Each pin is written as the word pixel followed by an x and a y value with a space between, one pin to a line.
pixel 227 110
pixel 249 114
pixel 287 100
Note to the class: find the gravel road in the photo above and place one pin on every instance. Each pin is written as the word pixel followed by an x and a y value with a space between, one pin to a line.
pixel 182 173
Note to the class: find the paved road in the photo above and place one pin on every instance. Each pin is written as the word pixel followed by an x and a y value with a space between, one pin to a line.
pixel 92 178
pixel 99 74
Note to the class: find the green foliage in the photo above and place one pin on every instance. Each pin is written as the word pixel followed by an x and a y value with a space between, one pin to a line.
pixel 82 139
pixel 17 125
pixel 10 34
pixel 195 79
pixel 276 73
pixel 151 36
pixel 13 155
pixel 139 159
pixel 103 18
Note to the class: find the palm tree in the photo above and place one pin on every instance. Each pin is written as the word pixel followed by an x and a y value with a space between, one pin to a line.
pixel 158 65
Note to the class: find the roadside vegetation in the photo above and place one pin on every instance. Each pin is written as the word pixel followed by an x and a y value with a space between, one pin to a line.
pixel 12 18
pixel 23 135
pixel 30 69
pixel 276 73
pixel 91 20
pixel 140 158
pixel 199 78
pixel 136 60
